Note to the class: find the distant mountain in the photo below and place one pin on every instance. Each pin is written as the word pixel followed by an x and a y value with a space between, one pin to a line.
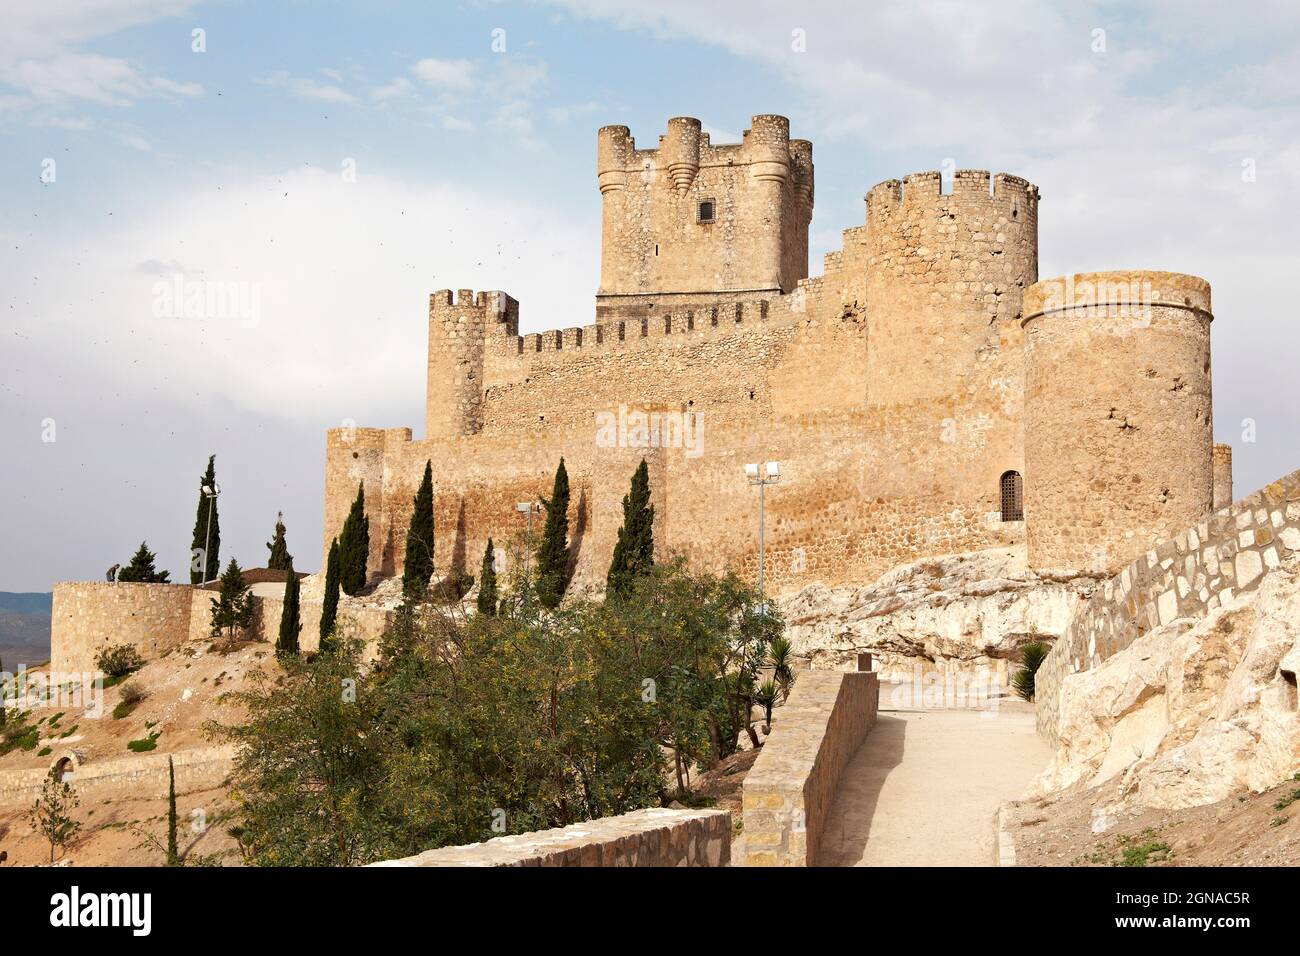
pixel 24 628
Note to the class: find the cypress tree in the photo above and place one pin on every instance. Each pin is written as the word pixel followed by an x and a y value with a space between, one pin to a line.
pixel 280 559
pixel 173 854
pixel 211 566
pixel 141 568
pixel 634 552
pixel 418 568
pixel 487 582
pixel 290 624
pixel 232 609
pixel 553 551
pixel 330 608
pixel 354 545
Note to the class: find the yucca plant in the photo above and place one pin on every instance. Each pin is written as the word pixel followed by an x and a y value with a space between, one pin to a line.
pixel 780 657
pixel 766 696
pixel 1032 656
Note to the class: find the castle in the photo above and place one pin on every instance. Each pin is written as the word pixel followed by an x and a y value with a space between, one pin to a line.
pixel 924 395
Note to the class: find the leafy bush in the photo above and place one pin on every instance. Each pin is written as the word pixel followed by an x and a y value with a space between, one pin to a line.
pixel 119 660
pixel 145 743
pixel 1032 656
pixel 472 726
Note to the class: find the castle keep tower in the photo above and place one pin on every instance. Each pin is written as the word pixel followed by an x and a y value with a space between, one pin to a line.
pixel 1118 437
pixel 693 222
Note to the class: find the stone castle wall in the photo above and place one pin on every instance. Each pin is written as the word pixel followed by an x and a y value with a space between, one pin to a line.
pixel 1184 576
pixel 90 616
pixel 871 480
pixel 141 776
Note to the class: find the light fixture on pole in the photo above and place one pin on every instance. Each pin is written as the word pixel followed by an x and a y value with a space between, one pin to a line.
pixel 527 507
pixel 210 492
pixel 769 474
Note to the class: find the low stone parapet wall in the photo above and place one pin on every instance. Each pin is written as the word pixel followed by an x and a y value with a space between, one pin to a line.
pixel 789 790
pixel 1185 576
pixel 142 777
pixel 653 837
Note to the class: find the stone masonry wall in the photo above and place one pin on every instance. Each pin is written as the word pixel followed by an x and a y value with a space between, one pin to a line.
pixel 143 776
pixel 155 618
pixel 653 837
pixel 867 484
pixel 1185 576
pixel 89 616
pixel 789 790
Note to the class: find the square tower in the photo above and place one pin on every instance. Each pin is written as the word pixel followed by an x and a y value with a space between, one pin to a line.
pixel 691 222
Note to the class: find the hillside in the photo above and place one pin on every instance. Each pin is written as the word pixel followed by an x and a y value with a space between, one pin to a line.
pixel 124 811
pixel 24 628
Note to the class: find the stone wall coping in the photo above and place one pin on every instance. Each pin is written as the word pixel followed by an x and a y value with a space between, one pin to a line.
pixel 652 826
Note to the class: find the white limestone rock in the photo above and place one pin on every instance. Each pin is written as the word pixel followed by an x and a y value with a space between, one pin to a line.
pixel 1190 713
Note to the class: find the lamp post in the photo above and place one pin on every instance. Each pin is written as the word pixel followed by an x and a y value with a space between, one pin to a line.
pixel 527 507
pixel 769 474
pixel 210 492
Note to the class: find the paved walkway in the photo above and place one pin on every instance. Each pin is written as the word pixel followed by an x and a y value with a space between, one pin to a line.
pixel 925 786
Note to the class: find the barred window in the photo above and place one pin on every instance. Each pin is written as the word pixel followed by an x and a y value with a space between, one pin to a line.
pixel 706 211
pixel 1013 497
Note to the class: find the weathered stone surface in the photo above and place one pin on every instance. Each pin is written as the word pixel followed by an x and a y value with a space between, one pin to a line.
pixel 789 790
pixel 657 836
pixel 1233 552
pixel 956 613
pixel 1192 711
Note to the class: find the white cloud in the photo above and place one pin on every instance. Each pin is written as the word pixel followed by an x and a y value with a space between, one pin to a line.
pixel 305 88
pixel 444 74
pixel 39 55
pixel 342 273
pixel 400 86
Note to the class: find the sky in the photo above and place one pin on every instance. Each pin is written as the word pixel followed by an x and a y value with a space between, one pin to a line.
pixel 329 164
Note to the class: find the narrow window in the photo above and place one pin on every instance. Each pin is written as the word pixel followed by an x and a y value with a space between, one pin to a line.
pixel 1013 500
pixel 705 211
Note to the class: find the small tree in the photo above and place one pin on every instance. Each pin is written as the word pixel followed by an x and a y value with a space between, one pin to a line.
pixel 173 854
pixel 780 657
pixel 290 622
pixel 141 568
pixel 118 660
pixel 487 577
pixel 232 609
pixel 553 551
pixel 634 551
pixel 51 815
pixel 205 547
pixel 330 606
pixel 1032 656
pixel 280 559
pixel 354 545
pixel 418 568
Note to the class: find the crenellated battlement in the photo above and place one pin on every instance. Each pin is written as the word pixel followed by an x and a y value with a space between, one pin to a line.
pixel 885 200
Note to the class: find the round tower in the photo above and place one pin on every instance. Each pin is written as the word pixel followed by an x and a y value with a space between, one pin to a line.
pixel 681 151
pixel 615 151
pixel 1118 429
pixel 945 275
pixel 767 149
pixel 457 330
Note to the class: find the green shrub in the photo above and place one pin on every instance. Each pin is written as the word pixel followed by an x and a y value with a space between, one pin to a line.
pixel 44 752
pixel 1031 658
pixel 145 743
pixel 118 661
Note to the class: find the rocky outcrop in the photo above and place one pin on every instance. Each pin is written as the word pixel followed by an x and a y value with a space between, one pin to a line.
pixel 960 612
pixel 1193 711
